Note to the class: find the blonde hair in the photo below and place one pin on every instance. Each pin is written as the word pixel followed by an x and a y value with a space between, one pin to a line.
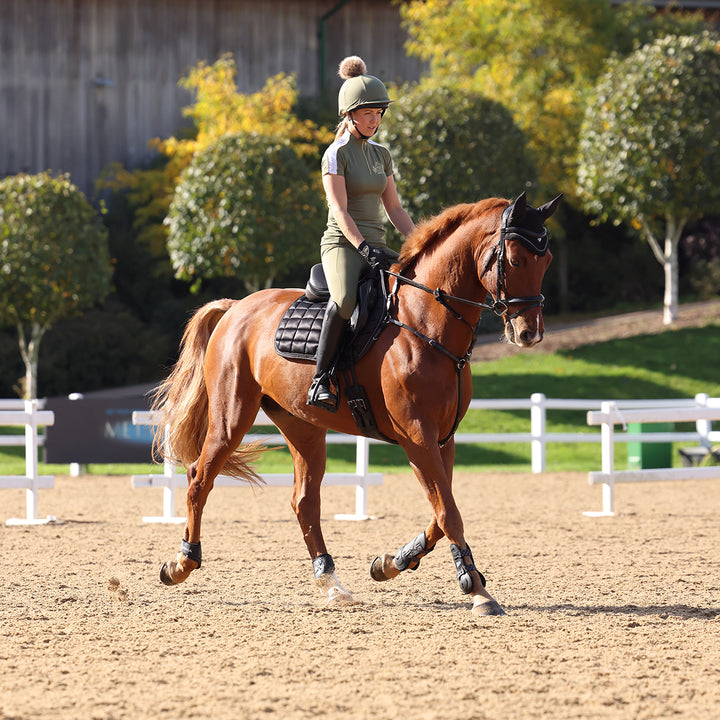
pixel 342 127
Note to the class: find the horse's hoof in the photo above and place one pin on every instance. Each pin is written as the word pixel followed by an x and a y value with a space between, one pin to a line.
pixel 339 596
pixel 384 568
pixel 376 572
pixel 483 606
pixel 165 578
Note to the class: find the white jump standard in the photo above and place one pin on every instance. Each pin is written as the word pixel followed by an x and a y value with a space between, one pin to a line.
pixel 32 481
pixel 708 409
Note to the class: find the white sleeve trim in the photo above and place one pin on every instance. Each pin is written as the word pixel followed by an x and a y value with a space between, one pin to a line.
pixel 333 153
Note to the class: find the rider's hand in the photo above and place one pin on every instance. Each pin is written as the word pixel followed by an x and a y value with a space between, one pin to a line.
pixel 378 257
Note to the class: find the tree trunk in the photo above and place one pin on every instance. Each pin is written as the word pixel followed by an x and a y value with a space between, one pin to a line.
pixel 670 267
pixel 30 352
pixel 668 258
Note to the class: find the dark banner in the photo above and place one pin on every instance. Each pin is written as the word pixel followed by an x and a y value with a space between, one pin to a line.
pixel 98 429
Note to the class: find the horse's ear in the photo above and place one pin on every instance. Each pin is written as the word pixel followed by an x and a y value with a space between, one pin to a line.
pixel 519 208
pixel 549 208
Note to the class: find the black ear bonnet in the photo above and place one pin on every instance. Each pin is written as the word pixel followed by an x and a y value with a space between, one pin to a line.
pixel 526 224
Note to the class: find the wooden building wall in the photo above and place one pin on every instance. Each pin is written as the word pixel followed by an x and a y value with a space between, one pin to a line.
pixel 87 82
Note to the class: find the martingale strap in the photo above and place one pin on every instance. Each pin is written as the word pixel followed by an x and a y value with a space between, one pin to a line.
pixel 460 361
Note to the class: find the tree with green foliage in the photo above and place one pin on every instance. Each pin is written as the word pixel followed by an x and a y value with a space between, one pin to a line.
pixel 453 145
pixel 54 259
pixel 219 109
pixel 537 59
pixel 246 206
pixel 649 145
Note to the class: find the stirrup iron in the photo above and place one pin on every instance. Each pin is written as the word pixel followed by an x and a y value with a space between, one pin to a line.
pixel 321 394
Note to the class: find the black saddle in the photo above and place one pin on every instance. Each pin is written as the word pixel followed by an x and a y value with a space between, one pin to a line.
pixel 298 333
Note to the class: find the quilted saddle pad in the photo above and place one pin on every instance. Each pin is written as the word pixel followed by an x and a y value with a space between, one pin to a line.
pixel 298 333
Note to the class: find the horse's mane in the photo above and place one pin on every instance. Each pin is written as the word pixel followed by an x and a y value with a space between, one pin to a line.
pixel 432 231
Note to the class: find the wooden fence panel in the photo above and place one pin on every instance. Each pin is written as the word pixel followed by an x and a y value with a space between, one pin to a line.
pixel 87 82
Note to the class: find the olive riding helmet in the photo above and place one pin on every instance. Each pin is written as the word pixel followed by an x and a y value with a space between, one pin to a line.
pixel 362 91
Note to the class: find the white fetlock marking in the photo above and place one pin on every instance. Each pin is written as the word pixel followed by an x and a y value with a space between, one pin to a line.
pixel 339 596
pixel 330 587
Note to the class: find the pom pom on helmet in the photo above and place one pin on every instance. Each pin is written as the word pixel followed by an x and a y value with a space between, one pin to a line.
pixel 359 90
pixel 351 67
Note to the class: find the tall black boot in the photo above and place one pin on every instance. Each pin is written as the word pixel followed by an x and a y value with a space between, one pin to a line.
pixel 333 328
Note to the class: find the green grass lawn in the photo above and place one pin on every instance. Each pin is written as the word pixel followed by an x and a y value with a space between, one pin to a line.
pixel 673 364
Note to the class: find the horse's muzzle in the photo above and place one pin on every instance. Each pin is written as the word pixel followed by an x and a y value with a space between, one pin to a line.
pixel 524 336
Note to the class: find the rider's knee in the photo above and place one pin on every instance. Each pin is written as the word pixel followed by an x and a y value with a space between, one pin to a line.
pixel 346 305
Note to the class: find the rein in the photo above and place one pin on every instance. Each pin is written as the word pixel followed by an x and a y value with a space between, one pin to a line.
pixel 500 305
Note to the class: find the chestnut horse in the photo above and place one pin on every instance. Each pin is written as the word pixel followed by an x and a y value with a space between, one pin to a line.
pixel 416 375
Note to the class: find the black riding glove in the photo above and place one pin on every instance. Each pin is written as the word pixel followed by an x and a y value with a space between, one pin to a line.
pixel 378 257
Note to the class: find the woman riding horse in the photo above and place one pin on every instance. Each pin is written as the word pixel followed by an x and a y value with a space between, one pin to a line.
pixel 357 177
pixel 416 374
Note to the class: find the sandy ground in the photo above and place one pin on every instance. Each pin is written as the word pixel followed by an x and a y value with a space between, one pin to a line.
pixel 607 617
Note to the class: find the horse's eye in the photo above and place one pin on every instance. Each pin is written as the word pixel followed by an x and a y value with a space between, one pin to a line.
pixel 514 262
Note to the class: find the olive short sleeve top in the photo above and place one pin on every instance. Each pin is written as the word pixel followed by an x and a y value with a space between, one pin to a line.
pixel 366 166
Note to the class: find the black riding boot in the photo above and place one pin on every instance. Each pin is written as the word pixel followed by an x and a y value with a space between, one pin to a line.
pixel 333 327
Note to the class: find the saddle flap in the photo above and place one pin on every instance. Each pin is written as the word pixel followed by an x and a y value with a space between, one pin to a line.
pixel 367 297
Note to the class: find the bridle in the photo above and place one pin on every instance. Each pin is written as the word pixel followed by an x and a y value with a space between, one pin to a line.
pixel 533 241
pixel 500 305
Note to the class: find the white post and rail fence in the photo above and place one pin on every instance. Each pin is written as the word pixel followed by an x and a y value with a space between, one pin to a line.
pixel 706 411
pixel 701 410
pixel 171 480
pixel 27 413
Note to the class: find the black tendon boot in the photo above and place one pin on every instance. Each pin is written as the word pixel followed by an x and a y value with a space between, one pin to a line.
pixel 333 327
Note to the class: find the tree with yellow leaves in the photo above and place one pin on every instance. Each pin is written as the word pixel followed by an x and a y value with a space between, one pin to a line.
pixel 219 111
pixel 538 59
